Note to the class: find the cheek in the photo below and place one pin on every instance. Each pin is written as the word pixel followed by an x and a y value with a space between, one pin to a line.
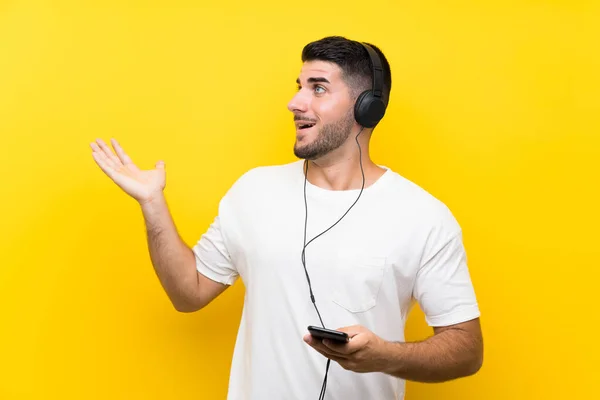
pixel 329 110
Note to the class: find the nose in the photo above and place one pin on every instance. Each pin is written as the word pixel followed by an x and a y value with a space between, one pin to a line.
pixel 298 103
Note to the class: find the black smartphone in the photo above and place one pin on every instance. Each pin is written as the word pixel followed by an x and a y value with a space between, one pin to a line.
pixel 323 333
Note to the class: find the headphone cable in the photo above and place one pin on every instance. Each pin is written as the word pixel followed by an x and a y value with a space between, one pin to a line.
pixel 312 296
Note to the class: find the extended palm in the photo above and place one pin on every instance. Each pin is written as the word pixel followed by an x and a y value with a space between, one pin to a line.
pixel 142 185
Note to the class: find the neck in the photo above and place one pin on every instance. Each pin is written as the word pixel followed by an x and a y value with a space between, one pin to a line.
pixel 341 169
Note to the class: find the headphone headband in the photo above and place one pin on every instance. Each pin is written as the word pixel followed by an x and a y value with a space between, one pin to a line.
pixel 377 71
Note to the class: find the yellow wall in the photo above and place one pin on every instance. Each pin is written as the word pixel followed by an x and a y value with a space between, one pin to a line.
pixel 494 110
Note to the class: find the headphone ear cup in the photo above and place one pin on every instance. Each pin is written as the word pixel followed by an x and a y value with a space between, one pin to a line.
pixel 368 109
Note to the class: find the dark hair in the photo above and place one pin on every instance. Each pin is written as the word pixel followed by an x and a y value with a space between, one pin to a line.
pixel 353 59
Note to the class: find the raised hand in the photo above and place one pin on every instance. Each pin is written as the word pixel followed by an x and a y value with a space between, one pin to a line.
pixel 142 185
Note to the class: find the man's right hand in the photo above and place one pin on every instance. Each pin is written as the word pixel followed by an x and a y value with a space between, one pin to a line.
pixel 142 185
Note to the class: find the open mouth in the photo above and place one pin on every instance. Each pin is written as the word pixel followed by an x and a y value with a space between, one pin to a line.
pixel 305 126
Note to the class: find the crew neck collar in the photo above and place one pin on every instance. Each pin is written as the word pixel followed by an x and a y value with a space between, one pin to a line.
pixel 315 190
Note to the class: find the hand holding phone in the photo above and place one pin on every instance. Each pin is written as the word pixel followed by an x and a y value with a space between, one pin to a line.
pixel 324 333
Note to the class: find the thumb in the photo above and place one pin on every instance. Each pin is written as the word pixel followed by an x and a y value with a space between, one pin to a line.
pixel 352 330
pixel 160 164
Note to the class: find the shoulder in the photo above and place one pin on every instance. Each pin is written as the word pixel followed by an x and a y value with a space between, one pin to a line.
pixel 419 205
pixel 260 182
pixel 267 175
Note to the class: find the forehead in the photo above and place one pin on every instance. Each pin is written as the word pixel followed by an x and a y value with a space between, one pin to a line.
pixel 321 69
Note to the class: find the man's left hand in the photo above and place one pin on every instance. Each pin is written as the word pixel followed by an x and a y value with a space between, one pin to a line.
pixel 365 352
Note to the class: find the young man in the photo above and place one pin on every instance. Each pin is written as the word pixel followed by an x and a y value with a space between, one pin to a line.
pixel 358 238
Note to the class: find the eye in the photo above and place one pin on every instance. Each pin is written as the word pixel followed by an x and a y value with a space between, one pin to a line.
pixel 318 87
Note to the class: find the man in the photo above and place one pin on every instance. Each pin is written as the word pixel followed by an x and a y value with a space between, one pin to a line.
pixel 360 239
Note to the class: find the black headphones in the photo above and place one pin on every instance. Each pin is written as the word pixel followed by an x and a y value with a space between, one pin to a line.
pixel 369 108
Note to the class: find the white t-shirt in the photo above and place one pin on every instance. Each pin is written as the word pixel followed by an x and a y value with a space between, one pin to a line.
pixel 397 245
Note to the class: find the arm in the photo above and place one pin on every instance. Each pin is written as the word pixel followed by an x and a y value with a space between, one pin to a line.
pixel 445 293
pixel 452 352
pixel 174 262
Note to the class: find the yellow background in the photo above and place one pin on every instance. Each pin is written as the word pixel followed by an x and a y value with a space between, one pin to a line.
pixel 494 110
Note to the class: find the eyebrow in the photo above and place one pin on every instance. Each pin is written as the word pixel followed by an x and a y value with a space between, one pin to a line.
pixel 314 80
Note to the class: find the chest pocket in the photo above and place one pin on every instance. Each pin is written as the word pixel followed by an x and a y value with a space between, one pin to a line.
pixel 357 281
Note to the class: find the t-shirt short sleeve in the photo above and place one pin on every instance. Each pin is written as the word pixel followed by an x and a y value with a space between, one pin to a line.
pixel 443 287
pixel 212 257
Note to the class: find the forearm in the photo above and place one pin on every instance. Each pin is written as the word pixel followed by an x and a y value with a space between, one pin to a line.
pixel 173 260
pixel 448 355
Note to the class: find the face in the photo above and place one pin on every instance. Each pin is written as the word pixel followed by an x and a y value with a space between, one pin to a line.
pixel 323 110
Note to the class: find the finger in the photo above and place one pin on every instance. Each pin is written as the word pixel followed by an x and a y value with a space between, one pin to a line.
pixel 98 152
pixel 355 344
pixel 123 156
pixel 338 348
pixel 350 366
pixel 352 330
pixel 321 348
pixel 109 153
pixel 104 165
pixel 333 357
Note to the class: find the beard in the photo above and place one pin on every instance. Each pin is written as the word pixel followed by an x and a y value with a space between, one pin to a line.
pixel 330 137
